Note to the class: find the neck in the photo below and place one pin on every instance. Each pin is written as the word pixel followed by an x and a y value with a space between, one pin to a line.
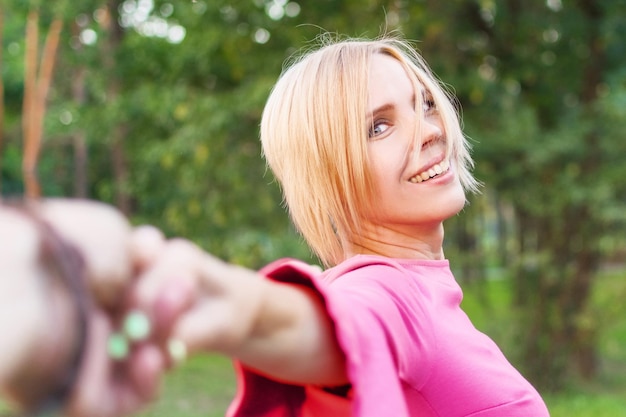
pixel 423 242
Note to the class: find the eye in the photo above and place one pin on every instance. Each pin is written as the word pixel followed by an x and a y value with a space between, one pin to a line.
pixel 378 128
pixel 428 104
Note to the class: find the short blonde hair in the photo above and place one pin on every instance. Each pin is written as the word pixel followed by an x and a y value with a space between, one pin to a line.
pixel 314 134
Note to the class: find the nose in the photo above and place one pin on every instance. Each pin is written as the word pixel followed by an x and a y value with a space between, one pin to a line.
pixel 429 130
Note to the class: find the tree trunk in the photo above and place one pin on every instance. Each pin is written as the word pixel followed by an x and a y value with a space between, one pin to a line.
pixel 36 87
pixel 114 38
pixel 31 185
pixel 553 287
pixel 78 139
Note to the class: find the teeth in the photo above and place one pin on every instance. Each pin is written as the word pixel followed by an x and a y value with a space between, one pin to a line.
pixel 436 169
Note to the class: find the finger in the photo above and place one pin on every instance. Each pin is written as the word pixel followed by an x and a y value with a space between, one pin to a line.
pixel 147 243
pixel 134 382
pixel 176 298
pixel 145 370
pixel 201 294
pixel 178 261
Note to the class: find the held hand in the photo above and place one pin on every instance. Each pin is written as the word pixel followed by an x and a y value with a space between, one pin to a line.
pixel 106 387
pixel 47 312
pixel 196 298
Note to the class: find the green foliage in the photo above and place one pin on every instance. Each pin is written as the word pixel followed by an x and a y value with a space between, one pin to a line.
pixel 173 125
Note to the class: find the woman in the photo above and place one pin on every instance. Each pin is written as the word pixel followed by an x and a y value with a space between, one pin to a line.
pixel 370 155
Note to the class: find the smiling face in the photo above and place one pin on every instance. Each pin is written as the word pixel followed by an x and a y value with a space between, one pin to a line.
pixel 415 181
pixel 345 190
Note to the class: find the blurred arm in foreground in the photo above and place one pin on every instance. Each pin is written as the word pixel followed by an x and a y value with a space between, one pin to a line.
pixel 65 268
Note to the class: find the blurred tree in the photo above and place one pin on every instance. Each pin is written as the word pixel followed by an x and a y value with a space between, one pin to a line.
pixel 155 107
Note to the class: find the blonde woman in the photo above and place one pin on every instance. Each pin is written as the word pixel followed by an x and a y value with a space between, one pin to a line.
pixel 368 149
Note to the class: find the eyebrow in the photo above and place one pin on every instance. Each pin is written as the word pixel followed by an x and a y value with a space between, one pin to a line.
pixel 389 106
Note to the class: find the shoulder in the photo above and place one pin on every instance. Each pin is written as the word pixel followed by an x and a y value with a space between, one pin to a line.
pixel 362 267
pixel 369 273
pixel 365 266
pixel 383 284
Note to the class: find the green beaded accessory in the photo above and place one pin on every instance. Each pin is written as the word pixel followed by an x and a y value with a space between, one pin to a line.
pixel 135 328
pixel 117 347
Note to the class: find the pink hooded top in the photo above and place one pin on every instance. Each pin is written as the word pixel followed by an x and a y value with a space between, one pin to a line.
pixel 410 349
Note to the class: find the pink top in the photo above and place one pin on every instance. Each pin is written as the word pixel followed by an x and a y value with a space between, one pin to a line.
pixel 410 349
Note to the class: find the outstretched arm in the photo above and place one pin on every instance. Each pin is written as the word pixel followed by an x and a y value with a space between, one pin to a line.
pixel 281 330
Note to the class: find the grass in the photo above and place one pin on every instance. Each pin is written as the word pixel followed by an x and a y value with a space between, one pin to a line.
pixel 203 386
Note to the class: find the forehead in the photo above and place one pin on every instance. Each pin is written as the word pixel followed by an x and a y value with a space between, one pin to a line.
pixel 389 81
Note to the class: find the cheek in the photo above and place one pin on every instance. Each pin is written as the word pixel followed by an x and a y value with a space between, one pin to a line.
pixel 385 186
pixel 385 166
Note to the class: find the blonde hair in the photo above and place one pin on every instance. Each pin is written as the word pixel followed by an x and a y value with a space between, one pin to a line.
pixel 314 134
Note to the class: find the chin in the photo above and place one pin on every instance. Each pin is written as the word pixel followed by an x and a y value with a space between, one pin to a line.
pixel 455 204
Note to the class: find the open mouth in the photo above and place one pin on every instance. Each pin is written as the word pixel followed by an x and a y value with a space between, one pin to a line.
pixel 431 172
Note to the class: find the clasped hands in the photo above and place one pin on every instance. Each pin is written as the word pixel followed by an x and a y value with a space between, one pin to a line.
pixel 153 301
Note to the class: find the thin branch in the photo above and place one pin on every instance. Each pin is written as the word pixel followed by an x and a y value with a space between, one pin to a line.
pixel 30 96
pixel 37 106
